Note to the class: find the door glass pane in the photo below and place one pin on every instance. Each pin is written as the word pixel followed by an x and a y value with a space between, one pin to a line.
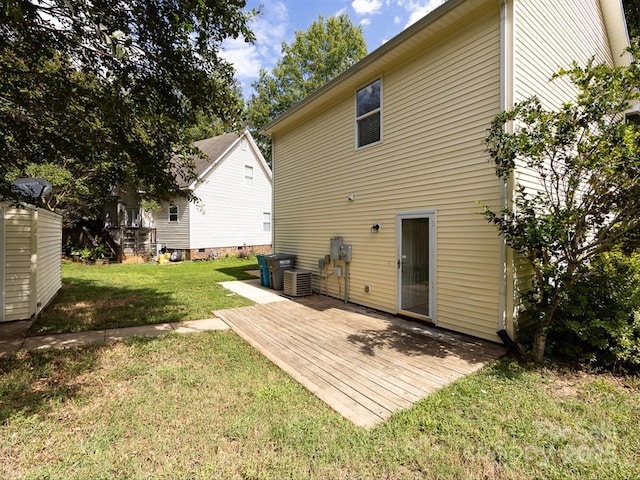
pixel 414 263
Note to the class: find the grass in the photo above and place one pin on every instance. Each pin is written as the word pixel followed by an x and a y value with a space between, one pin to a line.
pixel 115 296
pixel 209 406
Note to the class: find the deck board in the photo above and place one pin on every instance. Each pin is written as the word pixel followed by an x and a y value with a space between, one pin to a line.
pixel 364 364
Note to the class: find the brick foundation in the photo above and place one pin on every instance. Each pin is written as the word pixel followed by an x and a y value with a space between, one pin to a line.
pixel 222 252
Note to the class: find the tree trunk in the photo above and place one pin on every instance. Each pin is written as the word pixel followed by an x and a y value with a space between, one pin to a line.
pixel 539 343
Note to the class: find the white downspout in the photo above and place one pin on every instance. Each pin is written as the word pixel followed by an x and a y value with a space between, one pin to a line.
pixel 506 101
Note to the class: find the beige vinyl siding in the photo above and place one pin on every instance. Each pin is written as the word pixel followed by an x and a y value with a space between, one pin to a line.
pixel 435 112
pixel 18 279
pixel 48 260
pixel 546 43
pixel 31 250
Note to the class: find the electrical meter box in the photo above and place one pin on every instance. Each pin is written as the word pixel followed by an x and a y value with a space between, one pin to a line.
pixel 345 253
pixel 336 246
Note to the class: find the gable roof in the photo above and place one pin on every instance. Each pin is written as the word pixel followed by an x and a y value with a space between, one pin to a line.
pixel 402 46
pixel 215 149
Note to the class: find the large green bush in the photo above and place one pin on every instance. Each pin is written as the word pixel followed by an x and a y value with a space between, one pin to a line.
pixel 599 322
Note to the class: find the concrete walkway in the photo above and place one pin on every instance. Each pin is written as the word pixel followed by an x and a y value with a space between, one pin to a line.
pixel 13 335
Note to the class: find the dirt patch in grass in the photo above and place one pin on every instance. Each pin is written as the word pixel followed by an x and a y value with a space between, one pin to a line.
pixel 101 303
pixel 568 385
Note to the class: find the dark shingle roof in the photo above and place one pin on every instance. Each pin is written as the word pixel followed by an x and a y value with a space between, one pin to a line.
pixel 213 148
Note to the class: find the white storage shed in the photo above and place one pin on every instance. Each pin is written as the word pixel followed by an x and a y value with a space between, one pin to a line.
pixel 30 260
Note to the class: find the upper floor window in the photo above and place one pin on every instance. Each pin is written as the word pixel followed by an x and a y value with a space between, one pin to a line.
pixel 368 114
pixel 173 213
pixel 248 175
pixel 266 221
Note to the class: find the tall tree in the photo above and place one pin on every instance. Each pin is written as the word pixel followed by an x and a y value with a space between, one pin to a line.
pixel 315 57
pixel 586 157
pixel 101 93
pixel 632 12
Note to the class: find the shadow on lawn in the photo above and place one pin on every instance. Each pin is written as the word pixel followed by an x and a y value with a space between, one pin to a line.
pixel 32 383
pixel 36 383
pixel 240 272
pixel 87 305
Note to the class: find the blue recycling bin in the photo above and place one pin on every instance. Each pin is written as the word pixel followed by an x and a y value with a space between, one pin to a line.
pixel 264 270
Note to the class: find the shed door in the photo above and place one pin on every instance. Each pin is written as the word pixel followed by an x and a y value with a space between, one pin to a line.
pixel 416 272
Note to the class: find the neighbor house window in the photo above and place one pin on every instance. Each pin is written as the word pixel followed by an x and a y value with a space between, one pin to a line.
pixel 133 217
pixel 368 114
pixel 173 213
pixel 266 222
pixel 248 176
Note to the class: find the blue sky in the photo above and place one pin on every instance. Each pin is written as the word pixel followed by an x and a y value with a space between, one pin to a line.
pixel 381 20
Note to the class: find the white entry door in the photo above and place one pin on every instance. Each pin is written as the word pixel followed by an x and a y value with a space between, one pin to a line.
pixel 416 264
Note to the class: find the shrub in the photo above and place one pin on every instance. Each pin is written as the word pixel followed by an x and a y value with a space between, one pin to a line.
pixel 599 322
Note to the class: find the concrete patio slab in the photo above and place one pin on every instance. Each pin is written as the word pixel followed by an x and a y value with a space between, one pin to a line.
pixel 12 335
pixel 252 290
pixel 10 346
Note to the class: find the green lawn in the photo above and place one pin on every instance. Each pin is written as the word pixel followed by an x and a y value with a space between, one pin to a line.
pixel 208 406
pixel 113 296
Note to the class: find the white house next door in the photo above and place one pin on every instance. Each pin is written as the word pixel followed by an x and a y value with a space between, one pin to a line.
pixel 416 264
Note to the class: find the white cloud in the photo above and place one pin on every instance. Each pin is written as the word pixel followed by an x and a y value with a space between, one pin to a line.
pixel 366 7
pixel 365 21
pixel 270 29
pixel 244 57
pixel 418 9
pixel 397 20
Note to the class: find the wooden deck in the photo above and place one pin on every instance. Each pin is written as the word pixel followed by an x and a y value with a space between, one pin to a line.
pixel 362 363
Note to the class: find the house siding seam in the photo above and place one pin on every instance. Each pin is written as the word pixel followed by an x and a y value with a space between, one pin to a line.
pixel 423 163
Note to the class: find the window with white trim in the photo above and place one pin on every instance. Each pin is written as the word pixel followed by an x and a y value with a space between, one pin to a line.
pixel 266 222
pixel 173 213
pixel 369 114
pixel 248 175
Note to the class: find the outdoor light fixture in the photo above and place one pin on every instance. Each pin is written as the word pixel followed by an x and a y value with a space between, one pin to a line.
pixel 375 228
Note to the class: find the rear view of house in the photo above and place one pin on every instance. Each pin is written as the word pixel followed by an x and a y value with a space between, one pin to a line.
pixel 233 214
pixel 377 175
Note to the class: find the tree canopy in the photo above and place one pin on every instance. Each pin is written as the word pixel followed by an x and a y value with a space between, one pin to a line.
pixel 586 159
pixel 316 56
pixel 632 12
pixel 103 93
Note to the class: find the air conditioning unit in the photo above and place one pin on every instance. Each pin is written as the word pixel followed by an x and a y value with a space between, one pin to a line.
pixel 297 283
